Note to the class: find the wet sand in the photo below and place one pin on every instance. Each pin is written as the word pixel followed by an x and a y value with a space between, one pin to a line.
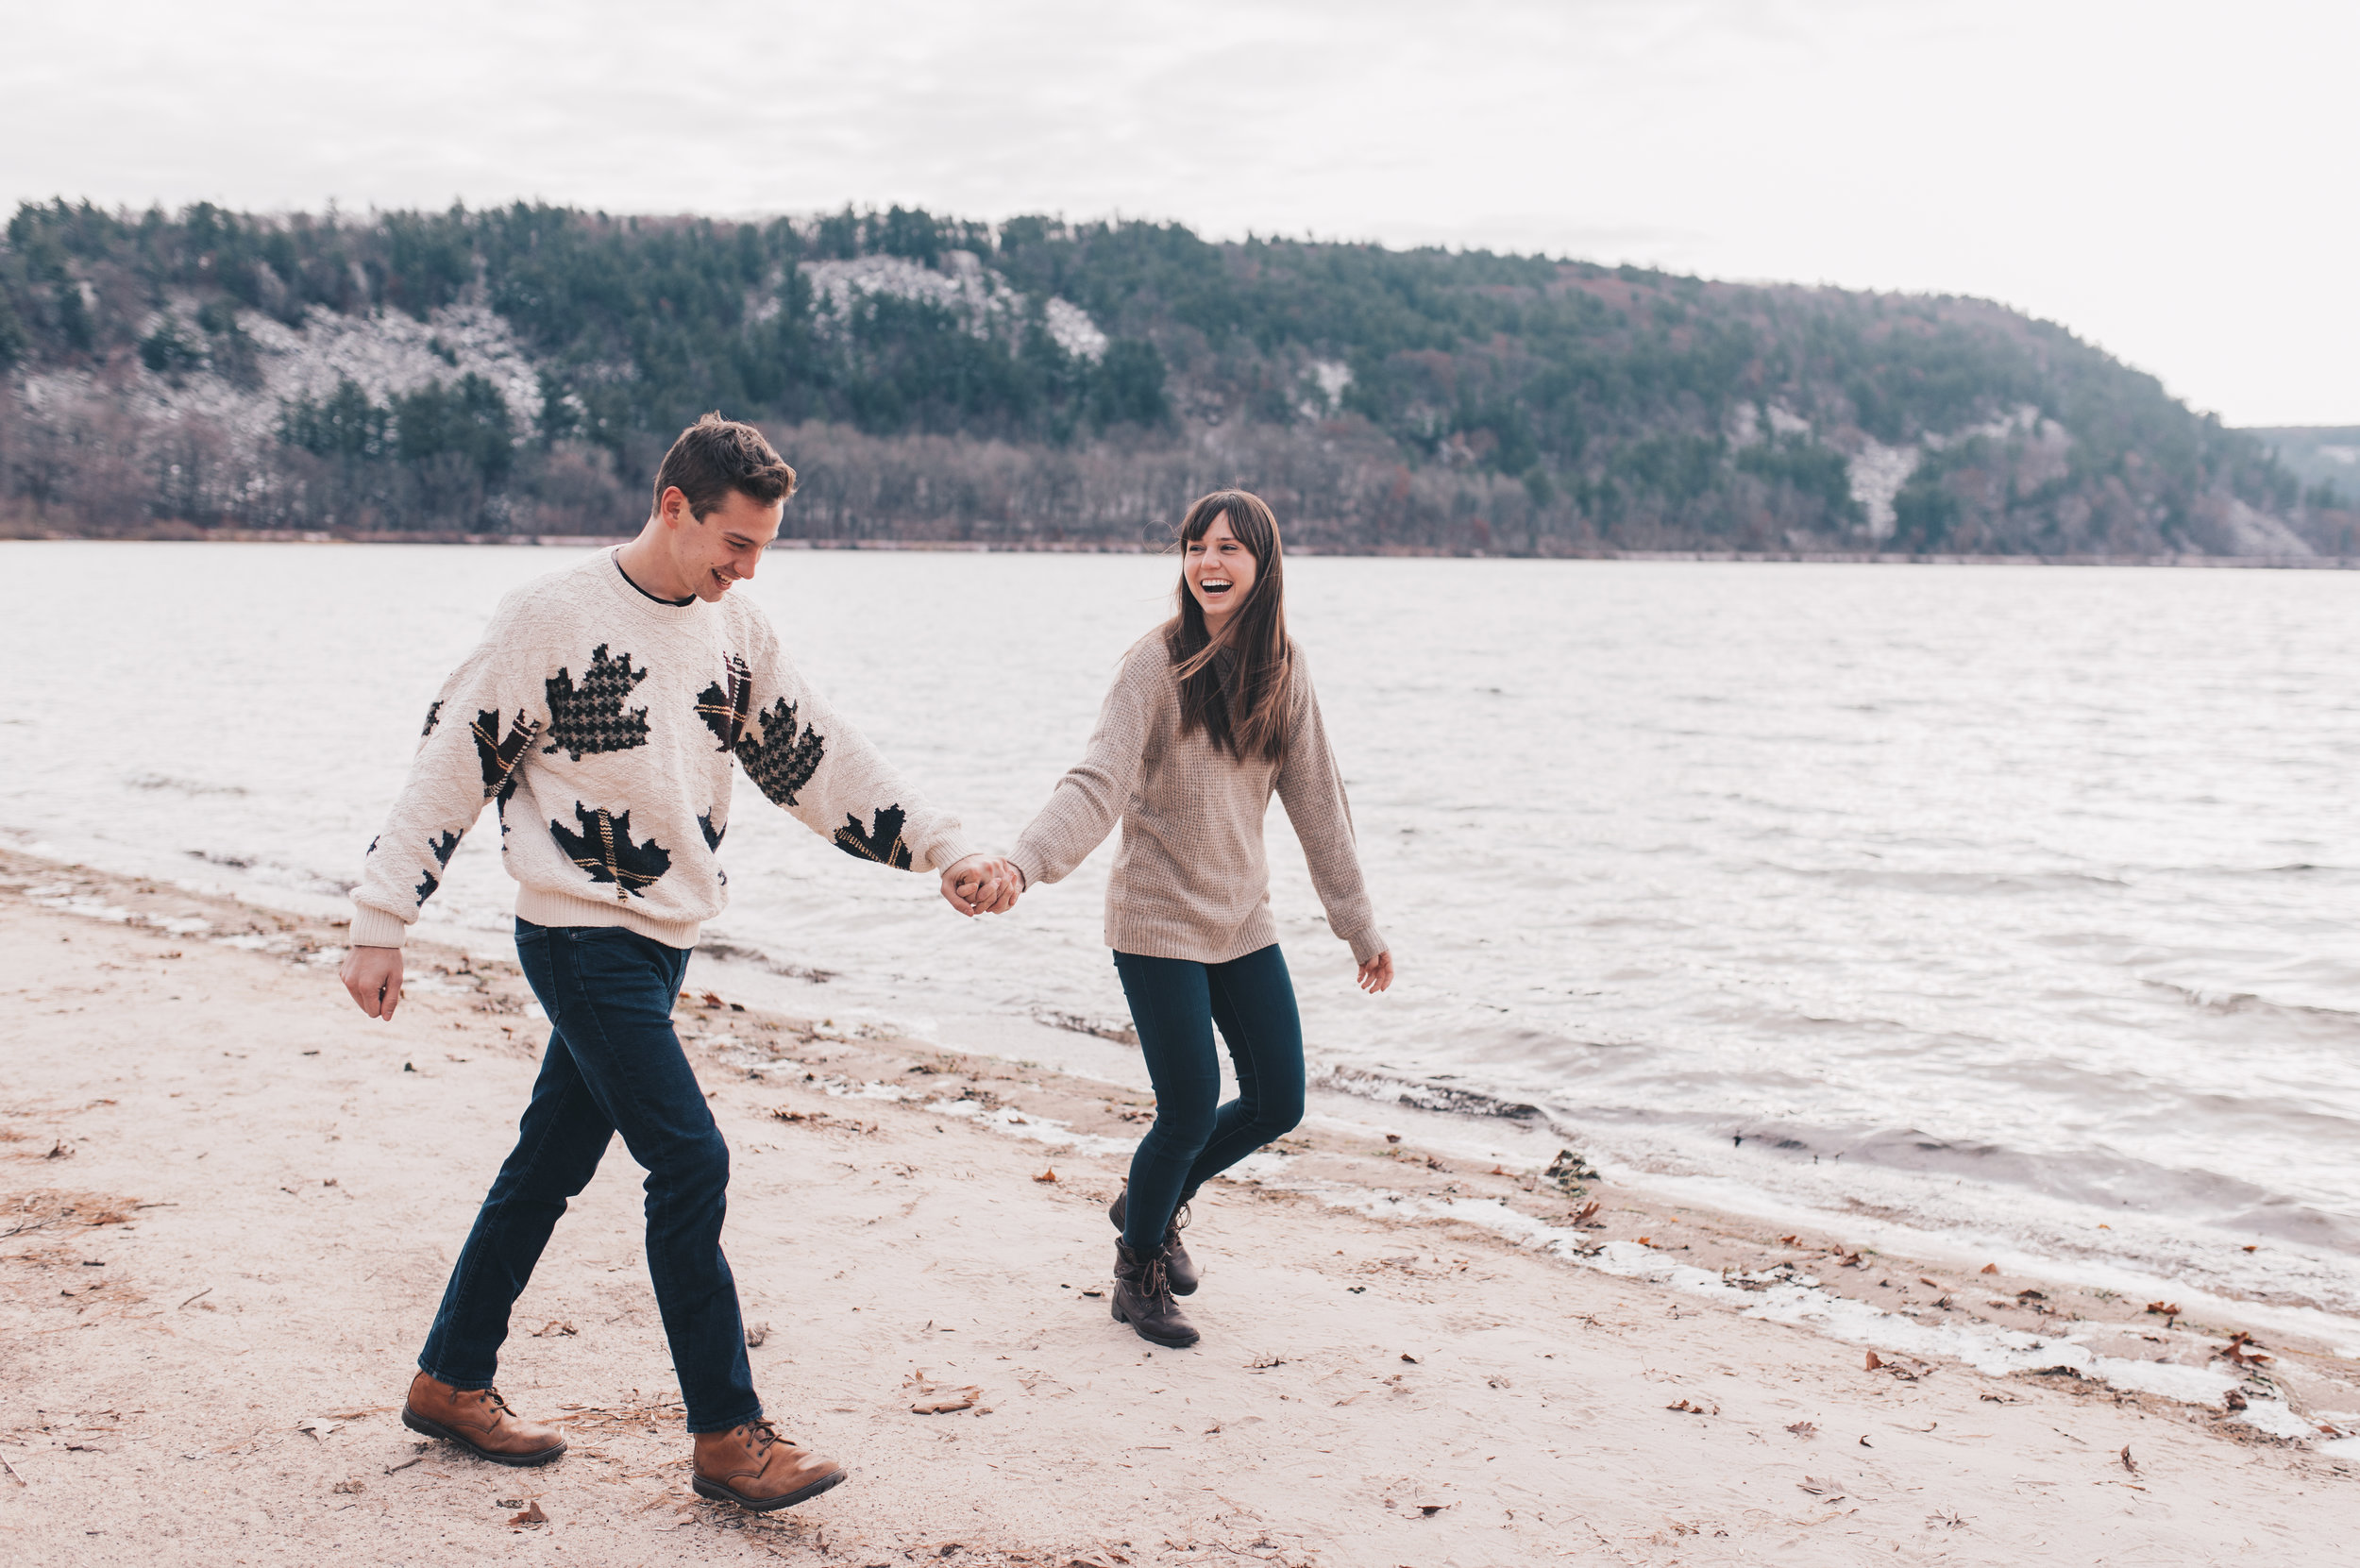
pixel 229 1202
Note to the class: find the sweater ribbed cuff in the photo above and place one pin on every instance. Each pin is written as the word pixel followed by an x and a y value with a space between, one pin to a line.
pixel 374 927
pixel 946 851
pixel 1366 944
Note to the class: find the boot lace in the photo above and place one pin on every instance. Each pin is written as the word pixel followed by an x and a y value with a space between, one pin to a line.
pixel 760 1433
pixel 1156 1280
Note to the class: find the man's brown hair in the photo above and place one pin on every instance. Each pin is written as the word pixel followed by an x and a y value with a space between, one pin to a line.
pixel 715 456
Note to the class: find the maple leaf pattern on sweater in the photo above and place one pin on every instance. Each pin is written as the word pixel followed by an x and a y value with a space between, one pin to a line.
pixel 605 849
pixel 778 761
pixel 613 769
pixel 882 842
pixel 497 757
pixel 592 717
pixel 725 712
pixel 440 850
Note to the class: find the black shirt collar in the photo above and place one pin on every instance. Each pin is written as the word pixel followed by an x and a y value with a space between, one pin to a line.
pixel 643 593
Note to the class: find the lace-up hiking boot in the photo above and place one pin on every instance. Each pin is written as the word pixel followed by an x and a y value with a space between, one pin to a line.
pixel 1142 1298
pixel 480 1420
pixel 1178 1267
pixel 755 1468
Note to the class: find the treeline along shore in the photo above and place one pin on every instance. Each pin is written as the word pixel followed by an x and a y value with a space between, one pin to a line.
pixel 515 372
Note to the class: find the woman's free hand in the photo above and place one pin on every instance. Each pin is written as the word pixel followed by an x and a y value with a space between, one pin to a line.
pixel 1377 973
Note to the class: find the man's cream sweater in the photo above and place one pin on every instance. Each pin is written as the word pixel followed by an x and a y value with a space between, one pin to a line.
pixel 1191 880
pixel 607 726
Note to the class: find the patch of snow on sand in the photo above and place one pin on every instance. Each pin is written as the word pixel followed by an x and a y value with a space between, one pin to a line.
pixel 1783 1295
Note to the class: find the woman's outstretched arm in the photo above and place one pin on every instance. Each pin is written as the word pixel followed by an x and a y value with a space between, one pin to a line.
pixel 1089 800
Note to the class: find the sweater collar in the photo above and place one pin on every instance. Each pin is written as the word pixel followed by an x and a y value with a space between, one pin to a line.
pixel 637 600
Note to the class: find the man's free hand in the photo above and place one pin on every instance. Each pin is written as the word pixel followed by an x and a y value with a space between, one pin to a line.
pixel 373 975
pixel 1377 973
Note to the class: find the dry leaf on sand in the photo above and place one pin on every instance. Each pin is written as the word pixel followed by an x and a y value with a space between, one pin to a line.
pixel 1048 1176
pixel 934 1399
pixel 531 1515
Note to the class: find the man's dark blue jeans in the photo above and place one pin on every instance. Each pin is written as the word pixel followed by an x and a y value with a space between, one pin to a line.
pixel 1174 1005
pixel 613 1065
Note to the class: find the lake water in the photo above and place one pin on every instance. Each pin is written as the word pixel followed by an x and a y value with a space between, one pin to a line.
pixel 2014 902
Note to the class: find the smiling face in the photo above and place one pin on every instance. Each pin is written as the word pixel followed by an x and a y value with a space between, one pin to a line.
pixel 708 554
pixel 1220 573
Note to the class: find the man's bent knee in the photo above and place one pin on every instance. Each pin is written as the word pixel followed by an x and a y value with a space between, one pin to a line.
pixel 700 1165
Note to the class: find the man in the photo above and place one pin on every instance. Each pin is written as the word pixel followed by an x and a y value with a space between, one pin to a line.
pixel 603 713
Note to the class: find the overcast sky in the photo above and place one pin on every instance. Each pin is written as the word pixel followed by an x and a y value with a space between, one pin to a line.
pixel 2172 180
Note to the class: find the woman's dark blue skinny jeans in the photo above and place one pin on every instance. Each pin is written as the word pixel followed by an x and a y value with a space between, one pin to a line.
pixel 1175 1005
pixel 613 1065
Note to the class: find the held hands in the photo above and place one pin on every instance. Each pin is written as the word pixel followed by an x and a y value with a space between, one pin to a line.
pixel 1377 973
pixel 981 885
pixel 373 975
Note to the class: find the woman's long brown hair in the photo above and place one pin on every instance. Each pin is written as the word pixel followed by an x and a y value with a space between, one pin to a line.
pixel 1238 689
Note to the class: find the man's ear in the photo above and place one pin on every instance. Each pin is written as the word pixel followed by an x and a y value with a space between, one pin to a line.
pixel 672 506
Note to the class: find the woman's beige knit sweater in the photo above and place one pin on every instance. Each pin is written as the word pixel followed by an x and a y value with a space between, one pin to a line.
pixel 1191 880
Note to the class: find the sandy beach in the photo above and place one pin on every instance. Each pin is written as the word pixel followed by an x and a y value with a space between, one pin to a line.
pixel 229 1201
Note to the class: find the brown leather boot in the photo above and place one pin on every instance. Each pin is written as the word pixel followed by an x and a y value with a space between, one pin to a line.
pixel 1178 1267
pixel 755 1468
pixel 480 1420
pixel 1142 1298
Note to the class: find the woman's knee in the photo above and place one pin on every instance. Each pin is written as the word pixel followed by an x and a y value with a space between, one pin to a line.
pixel 1277 1112
pixel 1278 1123
pixel 1182 1131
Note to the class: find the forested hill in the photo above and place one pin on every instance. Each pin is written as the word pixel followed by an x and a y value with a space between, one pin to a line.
pixel 520 370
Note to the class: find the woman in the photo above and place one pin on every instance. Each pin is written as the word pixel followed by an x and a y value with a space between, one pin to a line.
pixel 1211 712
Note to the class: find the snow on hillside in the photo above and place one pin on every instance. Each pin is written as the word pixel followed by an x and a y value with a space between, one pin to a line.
pixel 983 299
pixel 389 353
pixel 386 352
